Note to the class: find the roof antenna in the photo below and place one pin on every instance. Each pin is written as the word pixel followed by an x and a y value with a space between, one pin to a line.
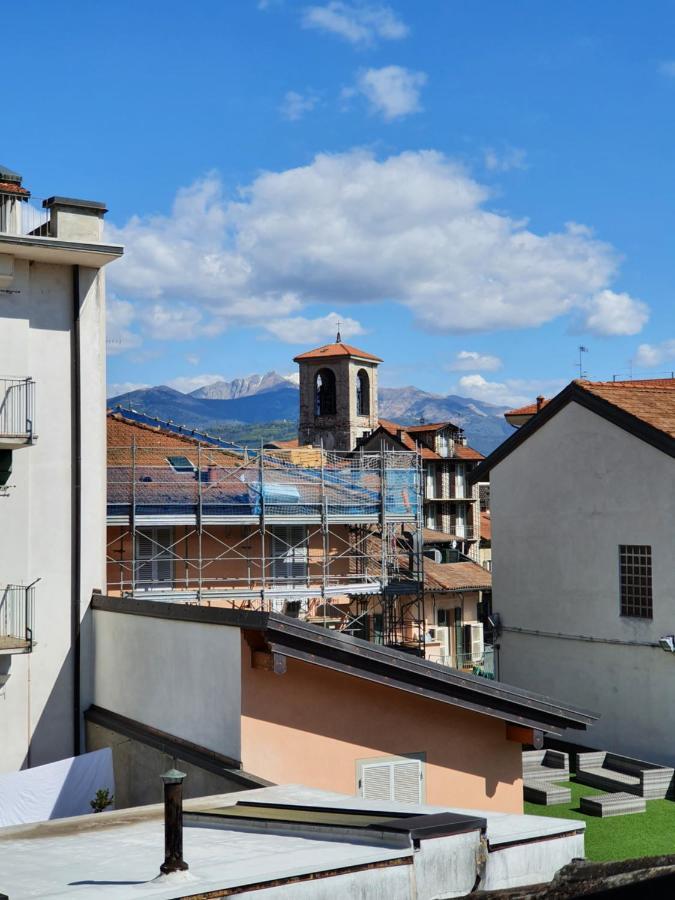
pixel 582 349
pixel 338 339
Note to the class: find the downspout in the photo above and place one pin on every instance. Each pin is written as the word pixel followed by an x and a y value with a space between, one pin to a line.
pixel 76 512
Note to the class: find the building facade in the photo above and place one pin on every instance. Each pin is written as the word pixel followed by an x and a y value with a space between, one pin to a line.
pixel 583 516
pixel 52 457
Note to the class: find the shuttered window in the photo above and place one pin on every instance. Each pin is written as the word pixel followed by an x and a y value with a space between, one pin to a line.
pixel 399 779
pixel 289 553
pixel 154 558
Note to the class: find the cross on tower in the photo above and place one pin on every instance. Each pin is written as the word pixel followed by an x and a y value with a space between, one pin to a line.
pixel 338 339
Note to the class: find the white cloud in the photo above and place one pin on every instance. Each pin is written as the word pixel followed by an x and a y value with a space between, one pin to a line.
pixel 192 359
pixel 392 92
pixel 124 387
pixel 187 383
pixel 299 330
pixel 612 314
pixel 413 228
pixel 504 161
pixel 650 355
pixel 511 392
pixel 667 68
pixel 469 360
pixel 295 105
pixel 360 23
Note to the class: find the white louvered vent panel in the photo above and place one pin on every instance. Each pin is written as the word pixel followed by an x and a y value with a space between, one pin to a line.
pixel 154 566
pixel 407 781
pixel 376 782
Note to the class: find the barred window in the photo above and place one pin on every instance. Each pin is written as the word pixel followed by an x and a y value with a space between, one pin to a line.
pixel 636 580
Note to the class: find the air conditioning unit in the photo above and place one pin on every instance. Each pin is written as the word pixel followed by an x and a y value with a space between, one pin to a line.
pixel 473 640
pixel 441 633
pixel 434 555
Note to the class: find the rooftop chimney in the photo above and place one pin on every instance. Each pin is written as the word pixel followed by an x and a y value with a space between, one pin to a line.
pixel 540 402
pixel 173 822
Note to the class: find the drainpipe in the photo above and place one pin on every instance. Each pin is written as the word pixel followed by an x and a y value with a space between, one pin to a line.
pixel 76 516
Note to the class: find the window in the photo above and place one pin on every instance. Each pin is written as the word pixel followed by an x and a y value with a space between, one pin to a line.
pixel 445 617
pixel 635 563
pixel 154 559
pixel 180 464
pixel 398 778
pixel 324 398
pixel 362 393
pixel 289 553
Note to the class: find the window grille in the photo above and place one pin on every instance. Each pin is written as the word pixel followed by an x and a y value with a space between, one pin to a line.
pixel 635 562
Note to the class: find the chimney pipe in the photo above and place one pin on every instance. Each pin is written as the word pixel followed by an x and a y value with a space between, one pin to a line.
pixel 540 402
pixel 173 822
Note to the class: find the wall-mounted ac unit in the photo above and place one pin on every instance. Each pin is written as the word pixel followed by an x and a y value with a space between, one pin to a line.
pixel 441 633
pixel 434 555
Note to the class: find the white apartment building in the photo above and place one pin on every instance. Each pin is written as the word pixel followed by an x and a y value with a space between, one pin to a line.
pixel 583 519
pixel 52 464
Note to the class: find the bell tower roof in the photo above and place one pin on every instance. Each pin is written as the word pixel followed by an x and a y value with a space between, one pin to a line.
pixel 336 351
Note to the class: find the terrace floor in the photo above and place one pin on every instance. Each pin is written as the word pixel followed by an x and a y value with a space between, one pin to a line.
pixel 651 833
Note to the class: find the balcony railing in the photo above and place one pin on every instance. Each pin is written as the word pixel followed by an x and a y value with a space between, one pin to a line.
pixel 483 665
pixel 19 216
pixel 17 411
pixel 17 607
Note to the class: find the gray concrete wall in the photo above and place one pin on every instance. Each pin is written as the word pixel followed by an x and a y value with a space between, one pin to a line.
pixel 138 768
pixel 36 513
pixel 183 678
pixel 562 503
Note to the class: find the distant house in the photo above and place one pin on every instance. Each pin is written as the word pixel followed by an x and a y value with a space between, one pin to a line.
pixel 451 504
pixel 583 514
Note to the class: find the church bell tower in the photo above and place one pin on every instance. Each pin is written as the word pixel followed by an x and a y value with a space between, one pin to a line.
pixel 338 395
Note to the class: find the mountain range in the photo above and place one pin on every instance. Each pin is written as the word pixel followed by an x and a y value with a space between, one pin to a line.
pixel 267 406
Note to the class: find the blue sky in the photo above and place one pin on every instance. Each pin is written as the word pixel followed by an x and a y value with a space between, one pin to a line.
pixel 474 189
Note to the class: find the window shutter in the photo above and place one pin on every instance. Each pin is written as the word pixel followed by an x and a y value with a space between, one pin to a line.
pixel 289 551
pixel 154 559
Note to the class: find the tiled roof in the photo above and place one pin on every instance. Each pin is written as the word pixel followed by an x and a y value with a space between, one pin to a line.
pixel 332 351
pixel 528 410
pixel 283 445
pixel 9 187
pixel 650 400
pixel 402 433
pixel 431 426
pixel 459 576
pixel 433 536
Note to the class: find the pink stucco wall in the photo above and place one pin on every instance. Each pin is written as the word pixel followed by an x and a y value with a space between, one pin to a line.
pixel 310 726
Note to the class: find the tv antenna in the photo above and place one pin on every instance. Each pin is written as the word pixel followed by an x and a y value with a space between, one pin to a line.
pixel 582 350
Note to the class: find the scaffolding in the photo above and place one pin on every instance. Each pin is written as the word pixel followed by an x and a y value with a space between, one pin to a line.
pixel 331 537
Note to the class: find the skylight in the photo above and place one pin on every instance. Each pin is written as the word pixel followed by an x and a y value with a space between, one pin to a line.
pixel 180 464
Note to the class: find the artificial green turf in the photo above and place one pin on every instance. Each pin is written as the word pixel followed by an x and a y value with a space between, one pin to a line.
pixel 650 833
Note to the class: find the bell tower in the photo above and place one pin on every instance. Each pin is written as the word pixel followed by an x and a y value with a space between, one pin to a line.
pixel 338 395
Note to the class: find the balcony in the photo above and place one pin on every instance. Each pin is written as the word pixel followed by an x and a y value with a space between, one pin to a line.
pixel 482 664
pixel 17 603
pixel 17 412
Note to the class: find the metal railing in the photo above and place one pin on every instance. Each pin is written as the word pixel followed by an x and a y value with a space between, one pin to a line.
pixel 19 216
pixel 17 408
pixel 483 665
pixel 17 610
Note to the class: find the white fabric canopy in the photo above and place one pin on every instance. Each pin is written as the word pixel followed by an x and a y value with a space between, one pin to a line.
pixel 57 790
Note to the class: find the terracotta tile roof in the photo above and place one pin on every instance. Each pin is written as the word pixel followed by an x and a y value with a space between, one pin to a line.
pixel 459 576
pixel 650 400
pixel 431 426
pixel 528 410
pixel 459 451
pixel 485 526
pixel 332 351
pixel 283 445
pixel 432 536
pixel 9 187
